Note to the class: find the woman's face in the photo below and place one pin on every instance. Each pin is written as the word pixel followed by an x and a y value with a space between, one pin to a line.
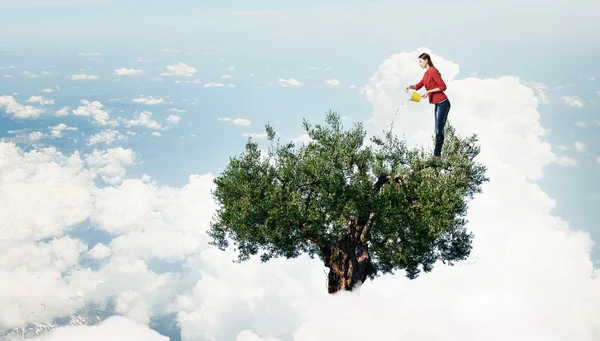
pixel 422 63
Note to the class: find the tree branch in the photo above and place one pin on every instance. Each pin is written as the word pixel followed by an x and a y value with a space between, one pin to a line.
pixel 308 183
pixel 321 244
pixel 382 180
pixel 365 228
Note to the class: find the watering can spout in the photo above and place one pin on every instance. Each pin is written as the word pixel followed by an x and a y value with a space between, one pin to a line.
pixel 415 97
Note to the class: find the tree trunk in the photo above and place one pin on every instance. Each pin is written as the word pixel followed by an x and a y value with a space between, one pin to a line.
pixel 348 265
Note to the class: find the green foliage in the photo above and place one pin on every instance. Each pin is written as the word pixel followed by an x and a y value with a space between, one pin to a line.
pixel 302 200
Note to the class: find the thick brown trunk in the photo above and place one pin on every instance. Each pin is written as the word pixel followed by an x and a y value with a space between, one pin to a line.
pixel 348 266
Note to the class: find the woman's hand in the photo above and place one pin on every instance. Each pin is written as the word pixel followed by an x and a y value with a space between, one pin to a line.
pixel 409 87
pixel 425 94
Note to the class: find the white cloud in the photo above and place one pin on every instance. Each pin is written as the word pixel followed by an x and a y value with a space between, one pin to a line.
pixel 90 55
pixel 100 251
pixel 47 90
pixel 143 60
pixel 107 136
pixel 57 130
pixel 17 110
pixel 580 146
pixel 226 76
pixel 218 85
pixel 110 164
pixel 540 90
pixel 148 100
pixel 115 328
pixel 195 81
pixel 303 138
pixel 256 135
pixel 237 121
pixel 332 82
pixel 29 74
pixel 39 100
pixel 176 110
pixel 64 111
pixel 180 69
pixel 572 101
pixel 56 189
pixel 565 161
pixel 128 72
pixel 143 119
pixel 83 76
pixel 95 109
pixel 173 119
pixel 36 136
pixel 288 82
pixel 249 335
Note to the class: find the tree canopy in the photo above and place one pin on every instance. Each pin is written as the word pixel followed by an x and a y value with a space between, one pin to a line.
pixel 363 209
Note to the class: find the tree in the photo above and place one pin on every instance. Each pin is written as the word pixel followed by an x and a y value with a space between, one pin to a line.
pixel 364 210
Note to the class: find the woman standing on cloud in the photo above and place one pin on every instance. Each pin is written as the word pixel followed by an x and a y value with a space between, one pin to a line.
pixel 435 86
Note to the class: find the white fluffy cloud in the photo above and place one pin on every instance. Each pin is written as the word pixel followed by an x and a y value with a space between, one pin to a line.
pixel 40 100
pixel 11 106
pixel 173 119
pixel 107 136
pixel 529 278
pixel 143 119
pixel 237 121
pixel 94 109
pixel 180 69
pixel 580 146
pixel 572 101
pixel 289 82
pixel 218 85
pixel 110 164
pixel 83 76
pixel 116 328
pixel 57 130
pixel 540 89
pixel 127 72
pixel 148 100
pixel 332 82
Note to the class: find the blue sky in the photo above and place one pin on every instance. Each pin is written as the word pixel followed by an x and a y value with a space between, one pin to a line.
pixel 255 46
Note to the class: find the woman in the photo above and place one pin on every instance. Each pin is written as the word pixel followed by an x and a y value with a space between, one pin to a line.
pixel 435 86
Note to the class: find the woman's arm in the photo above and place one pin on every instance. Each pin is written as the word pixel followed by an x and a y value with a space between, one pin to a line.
pixel 417 86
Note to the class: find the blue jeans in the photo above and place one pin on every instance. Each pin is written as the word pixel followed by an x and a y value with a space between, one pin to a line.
pixel 441 115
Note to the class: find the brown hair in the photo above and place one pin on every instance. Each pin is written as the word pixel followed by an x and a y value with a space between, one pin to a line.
pixel 426 57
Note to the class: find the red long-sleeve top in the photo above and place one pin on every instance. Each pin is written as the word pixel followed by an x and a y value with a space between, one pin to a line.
pixel 433 79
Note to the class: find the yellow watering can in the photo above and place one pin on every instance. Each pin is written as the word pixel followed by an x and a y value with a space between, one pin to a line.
pixel 415 97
